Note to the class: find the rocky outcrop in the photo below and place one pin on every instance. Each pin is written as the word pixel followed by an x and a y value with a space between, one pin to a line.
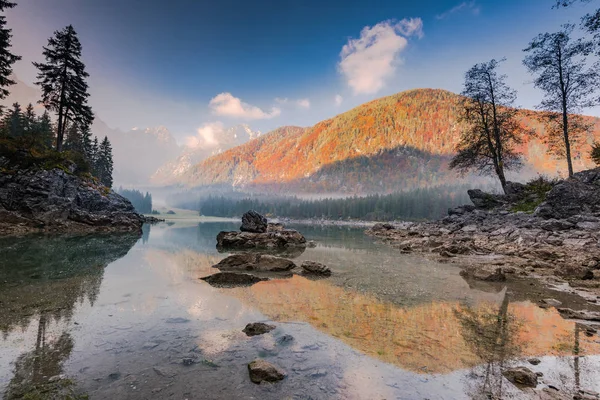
pixel 263 371
pixel 232 279
pixel 484 273
pixel 281 240
pixel 58 200
pixel 253 222
pixel 579 195
pixel 315 268
pixel 255 262
pixel 258 328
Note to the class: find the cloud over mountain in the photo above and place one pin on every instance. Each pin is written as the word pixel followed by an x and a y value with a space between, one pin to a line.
pixel 227 105
pixel 367 62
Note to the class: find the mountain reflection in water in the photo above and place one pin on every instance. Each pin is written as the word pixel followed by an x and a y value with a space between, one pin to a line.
pixel 116 323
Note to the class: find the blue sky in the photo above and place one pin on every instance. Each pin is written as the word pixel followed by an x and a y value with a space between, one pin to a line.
pixel 185 64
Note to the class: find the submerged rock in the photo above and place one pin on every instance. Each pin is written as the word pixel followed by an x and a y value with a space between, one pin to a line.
pixel 315 268
pixel 232 279
pixel 255 262
pixel 258 328
pixel 521 376
pixel 569 313
pixel 58 200
pixel 253 222
pixel 263 371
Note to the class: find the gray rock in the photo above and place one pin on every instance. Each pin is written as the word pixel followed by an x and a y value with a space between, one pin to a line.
pixel 257 328
pixel 255 262
pixel 485 200
pixel 164 371
pixel 263 371
pixel 253 222
pixel 534 361
pixel 232 279
pixel 311 244
pixel 569 313
pixel 556 225
pixel 521 376
pixel 57 200
pixel 269 240
pixel 552 302
pixel 575 196
pixel 315 268
pixel 275 227
pixel 488 273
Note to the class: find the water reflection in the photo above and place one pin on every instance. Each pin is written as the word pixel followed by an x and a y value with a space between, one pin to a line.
pixel 122 331
pixel 42 280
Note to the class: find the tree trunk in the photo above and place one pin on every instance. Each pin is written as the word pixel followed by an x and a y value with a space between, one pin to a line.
pixel 567 144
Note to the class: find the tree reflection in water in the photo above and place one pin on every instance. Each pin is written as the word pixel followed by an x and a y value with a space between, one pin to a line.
pixel 46 278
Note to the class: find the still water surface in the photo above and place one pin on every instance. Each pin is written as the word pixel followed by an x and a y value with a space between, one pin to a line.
pixel 117 316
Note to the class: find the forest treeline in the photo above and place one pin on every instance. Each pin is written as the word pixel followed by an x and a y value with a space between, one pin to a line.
pixel 424 203
pixel 142 202
pixel 62 133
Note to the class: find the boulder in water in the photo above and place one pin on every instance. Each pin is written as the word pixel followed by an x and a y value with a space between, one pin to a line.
pixel 255 262
pixel 253 222
pixel 263 371
pixel 232 279
pixel 258 328
pixel 315 268
pixel 269 240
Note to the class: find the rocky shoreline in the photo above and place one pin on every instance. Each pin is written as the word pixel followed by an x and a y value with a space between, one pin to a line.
pixel 558 243
pixel 58 201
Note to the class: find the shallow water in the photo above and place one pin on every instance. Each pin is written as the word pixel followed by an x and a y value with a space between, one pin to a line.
pixel 116 316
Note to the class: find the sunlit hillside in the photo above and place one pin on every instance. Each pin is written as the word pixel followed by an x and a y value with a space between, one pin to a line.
pixel 396 142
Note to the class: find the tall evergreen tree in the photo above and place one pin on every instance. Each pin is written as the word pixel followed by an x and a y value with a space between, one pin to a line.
pixel 62 79
pixel 105 163
pixel 73 140
pixel 492 131
pixel 561 70
pixel 7 59
pixel 12 122
pixel 93 157
pixel 29 120
pixel 44 130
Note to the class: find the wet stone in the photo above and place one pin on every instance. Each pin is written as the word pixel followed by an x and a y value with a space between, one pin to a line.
pixel 534 361
pixel 257 328
pixel 263 371
pixel 285 340
pixel 521 377
pixel 187 361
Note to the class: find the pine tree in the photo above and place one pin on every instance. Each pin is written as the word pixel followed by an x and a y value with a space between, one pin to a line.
pixel 7 59
pixel 93 157
pixel 492 130
pixel 13 121
pixel 105 163
pixel 62 79
pixel 29 120
pixel 73 140
pixel 568 84
pixel 44 130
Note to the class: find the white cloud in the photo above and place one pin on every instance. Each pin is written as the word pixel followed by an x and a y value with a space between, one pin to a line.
pixel 338 100
pixel 303 103
pixel 206 136
pixel 226 104
pixel 470 6
pixel 280 100
pixel 367 62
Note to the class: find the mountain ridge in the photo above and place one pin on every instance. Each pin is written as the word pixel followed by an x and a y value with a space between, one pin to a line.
pixel 419 120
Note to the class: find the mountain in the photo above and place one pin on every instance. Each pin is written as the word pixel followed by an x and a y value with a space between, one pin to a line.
pixel 199 150
pixel 397 142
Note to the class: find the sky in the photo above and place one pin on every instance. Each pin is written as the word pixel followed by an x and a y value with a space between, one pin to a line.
pixel 192 65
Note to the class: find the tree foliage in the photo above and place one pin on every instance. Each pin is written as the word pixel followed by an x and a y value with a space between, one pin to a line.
pixel 492 130
pixel 560 65
pixel 7 59
pixel 426 203
pixel 142 202
pixel 62 79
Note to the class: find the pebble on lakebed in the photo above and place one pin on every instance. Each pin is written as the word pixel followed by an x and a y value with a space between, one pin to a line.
pixel 257 328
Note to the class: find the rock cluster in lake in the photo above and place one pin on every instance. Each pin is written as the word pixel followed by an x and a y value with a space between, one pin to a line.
pixel 558 241
pixel 58 200
pixel 257 239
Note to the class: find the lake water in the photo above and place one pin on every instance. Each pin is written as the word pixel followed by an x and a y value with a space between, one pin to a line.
pixel 117 317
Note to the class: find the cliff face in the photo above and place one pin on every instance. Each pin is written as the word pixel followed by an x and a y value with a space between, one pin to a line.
pixel 55 200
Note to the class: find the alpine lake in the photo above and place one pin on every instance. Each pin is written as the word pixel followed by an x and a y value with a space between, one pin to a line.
pixel 115 316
